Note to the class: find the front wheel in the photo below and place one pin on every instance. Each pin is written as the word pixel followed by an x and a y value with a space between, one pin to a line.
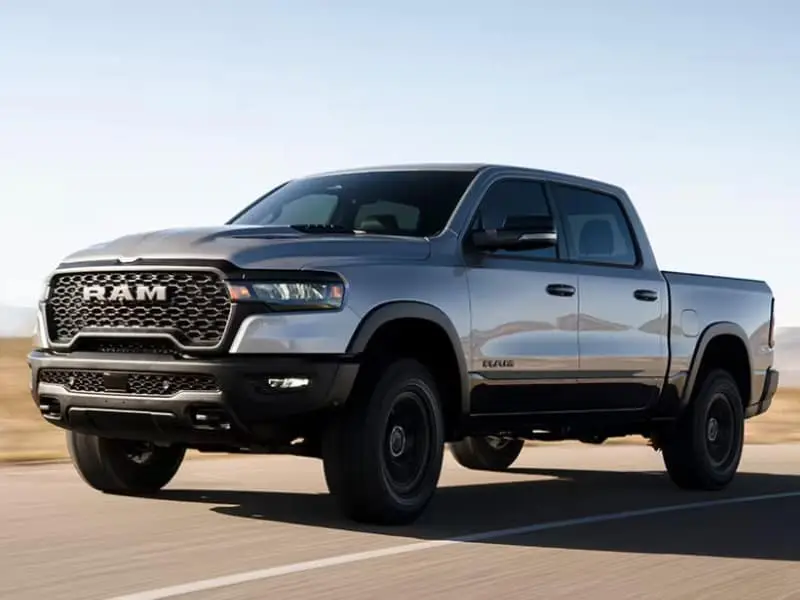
pixel 382 456
pixel 489 453
pixel 122 466
pixel 705 448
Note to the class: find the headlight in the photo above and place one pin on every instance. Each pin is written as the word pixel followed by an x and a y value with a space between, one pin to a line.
pixel 290 295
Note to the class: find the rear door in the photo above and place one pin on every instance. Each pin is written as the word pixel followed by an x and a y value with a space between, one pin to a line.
pixel 524 338
pixel 623 317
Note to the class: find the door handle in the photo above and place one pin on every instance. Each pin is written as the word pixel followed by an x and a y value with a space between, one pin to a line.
pixel 646 295
pixel 560 289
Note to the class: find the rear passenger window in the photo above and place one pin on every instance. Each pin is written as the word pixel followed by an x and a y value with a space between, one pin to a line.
pixel 598 228
pixel 514 198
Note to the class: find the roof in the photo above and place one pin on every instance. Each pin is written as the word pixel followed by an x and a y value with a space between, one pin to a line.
pixel 408 167
pixel 475 167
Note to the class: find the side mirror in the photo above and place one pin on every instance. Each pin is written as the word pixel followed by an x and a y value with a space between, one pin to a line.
pixel 518 233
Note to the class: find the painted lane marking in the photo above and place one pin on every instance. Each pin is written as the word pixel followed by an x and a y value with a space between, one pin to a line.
pixel 203 585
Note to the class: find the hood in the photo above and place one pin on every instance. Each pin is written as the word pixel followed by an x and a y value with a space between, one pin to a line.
pixel 256 247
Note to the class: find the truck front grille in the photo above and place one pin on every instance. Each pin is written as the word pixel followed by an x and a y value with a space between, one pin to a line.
pixel 194 307
pixel 139 384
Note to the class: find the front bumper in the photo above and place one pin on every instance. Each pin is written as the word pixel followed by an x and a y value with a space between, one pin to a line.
pixel 238 409
pixel 762 405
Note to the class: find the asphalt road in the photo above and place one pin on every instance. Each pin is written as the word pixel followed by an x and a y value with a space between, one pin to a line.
pixel 588 522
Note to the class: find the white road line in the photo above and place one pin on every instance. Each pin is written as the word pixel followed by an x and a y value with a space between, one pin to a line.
pixel 343 559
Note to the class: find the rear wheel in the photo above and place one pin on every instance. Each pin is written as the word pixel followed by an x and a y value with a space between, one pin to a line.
pixel 383 455
pixel 704 450
pixel 488 453
pixel 122 466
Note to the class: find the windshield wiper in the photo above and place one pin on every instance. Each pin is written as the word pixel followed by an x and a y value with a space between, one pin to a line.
pixel 318 228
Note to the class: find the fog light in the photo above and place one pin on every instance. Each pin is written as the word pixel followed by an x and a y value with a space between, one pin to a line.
pixel 50 408
pixel 210 418
pixel 287 383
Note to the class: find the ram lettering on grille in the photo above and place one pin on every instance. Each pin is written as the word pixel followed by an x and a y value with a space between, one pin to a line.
pixel 125 293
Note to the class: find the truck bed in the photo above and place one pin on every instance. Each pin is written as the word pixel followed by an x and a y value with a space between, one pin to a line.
pixel 699 301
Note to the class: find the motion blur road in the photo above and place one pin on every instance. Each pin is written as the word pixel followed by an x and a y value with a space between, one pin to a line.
pixel 264 527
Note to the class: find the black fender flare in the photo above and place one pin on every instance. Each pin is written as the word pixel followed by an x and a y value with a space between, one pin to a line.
pixel 706 337
pixel 392 311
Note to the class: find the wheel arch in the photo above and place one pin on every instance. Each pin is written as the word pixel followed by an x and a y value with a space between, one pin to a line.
pixel 395 312
pixel 711 343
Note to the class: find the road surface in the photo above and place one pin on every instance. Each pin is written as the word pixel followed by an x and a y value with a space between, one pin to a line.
pixel 586 522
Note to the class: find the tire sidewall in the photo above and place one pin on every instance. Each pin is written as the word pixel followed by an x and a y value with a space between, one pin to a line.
pixel 477 453
pixel 402 376
pixel 718 383
pixel 501 458
pixel 104 465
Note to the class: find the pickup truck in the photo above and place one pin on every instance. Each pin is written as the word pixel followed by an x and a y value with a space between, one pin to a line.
pixel 374 317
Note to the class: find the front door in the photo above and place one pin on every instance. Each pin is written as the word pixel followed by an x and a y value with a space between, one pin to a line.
pixel 524 337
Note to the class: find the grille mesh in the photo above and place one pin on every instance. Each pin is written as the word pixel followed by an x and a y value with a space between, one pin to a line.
pixel 196 311
pixel 140 384
pixel 126 346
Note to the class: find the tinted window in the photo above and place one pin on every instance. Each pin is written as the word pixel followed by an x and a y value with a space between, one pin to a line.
pixel 514 198
pixel 312 208
pixel 402 216
pixel 412 203
pixel 598 227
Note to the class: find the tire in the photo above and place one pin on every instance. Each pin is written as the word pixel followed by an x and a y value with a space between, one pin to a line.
pixel 121 466
pixel 390 423
pixel 488 453
pixel 704 450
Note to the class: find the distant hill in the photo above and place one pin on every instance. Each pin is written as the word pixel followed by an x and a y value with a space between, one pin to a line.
pixel 17 321
pixel 787 340
pixel 787 355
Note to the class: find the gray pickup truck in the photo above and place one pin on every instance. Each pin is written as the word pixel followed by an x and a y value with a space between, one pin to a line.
pixel 371 316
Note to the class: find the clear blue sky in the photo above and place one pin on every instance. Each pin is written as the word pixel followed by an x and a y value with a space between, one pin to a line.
pixel 125 116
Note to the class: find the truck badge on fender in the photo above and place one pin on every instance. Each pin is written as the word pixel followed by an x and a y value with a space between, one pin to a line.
pixel 498 364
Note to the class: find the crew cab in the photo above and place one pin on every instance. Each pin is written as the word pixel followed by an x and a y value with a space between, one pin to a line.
pixel 374 316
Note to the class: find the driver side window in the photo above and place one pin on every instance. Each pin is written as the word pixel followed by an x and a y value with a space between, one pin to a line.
pixel 514 198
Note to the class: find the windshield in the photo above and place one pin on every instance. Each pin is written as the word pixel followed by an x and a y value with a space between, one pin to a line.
pixel 411 203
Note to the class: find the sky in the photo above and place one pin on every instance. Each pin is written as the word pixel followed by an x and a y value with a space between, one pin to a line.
pixel 117 117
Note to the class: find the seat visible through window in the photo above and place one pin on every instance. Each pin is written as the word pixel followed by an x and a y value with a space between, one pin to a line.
pixel 379 224
pixel 597 239
pixel 599 231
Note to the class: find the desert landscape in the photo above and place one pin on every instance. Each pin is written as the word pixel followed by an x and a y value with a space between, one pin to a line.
pixel 25 436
